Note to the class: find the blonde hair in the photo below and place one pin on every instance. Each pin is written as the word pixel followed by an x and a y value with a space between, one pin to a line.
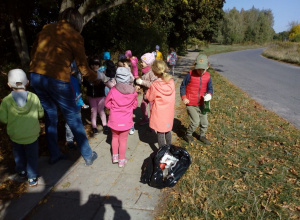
pixel 160 69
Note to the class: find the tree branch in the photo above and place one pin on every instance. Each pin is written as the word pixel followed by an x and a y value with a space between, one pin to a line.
pixel 66 4
pixel 85 7
pixel 102 8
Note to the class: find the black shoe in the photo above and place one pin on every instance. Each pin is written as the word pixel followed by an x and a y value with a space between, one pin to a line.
pixel 188 139
pixel 95 131
pixel 94 157
pixel 105 130
pixel 204 140
pixel 71 145
pixel 22 175
pixel 61 157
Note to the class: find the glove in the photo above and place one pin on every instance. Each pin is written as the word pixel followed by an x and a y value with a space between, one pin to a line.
pixel 139 81
pixel 207 97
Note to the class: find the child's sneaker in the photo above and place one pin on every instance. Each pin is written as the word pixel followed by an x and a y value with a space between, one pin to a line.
pixel 204 140
pixel 115 158
pixel 131 131
pixel 122 162
pixel 105 130
pixel 33 182
pixel 95 130
pixel 22 174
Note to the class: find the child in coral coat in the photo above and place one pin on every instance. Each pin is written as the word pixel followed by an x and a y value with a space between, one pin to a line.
pixel 162 95
pixel 121 100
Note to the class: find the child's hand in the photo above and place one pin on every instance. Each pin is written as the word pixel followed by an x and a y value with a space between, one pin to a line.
pixel 186 101
pixel 137 88
pixel 207 97
pixel 139 81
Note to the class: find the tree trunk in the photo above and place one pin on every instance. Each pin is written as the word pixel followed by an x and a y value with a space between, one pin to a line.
pixel 20 41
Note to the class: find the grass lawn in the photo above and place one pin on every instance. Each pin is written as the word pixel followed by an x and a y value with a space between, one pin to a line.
pixel 251 170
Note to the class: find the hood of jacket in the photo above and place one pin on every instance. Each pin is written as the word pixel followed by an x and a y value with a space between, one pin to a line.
pixel 165 88
pixel 24 110
pixel 121 99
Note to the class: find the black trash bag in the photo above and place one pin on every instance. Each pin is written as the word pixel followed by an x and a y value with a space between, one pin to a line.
pixel 165 167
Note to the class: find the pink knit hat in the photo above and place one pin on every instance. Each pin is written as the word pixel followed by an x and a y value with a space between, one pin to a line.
pixel 148 58
pixel 128 53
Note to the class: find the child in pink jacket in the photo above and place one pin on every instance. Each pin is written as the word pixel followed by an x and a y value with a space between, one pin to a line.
pixel 162 95
pixel 121 100
pixel 134 63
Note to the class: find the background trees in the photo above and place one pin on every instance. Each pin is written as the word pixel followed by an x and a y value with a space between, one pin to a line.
pixel 114 25
pixel 253 25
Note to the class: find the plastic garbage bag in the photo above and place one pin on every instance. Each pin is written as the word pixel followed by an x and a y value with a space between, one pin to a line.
pixel 165 167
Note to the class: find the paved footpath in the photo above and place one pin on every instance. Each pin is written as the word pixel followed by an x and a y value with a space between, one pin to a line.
pixel 70 190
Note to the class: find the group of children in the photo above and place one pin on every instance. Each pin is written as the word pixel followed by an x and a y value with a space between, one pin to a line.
pixel 21 109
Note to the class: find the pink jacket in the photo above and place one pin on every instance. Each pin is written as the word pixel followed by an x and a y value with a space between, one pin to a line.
pixel 134 62
pixel 121 109
pixel 162 96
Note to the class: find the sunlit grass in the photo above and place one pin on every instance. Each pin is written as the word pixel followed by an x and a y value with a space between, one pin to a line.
pixel 251 171
pixel 284 51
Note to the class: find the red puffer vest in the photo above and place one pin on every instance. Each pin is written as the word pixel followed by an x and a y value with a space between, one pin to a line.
pixel 197 88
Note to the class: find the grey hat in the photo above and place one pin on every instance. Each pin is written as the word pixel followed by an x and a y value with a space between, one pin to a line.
pixel 123 75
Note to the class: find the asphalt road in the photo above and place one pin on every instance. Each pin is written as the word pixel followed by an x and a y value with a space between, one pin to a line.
pixel 273 84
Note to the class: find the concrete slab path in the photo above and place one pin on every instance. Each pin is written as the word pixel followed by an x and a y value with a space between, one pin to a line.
pixel 70 190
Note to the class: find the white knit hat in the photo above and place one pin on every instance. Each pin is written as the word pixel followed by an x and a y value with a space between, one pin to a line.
pixel 17 79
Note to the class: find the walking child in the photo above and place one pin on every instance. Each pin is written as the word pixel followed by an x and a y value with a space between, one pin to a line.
pixel 121 100
pixel 162 96
pixel 196 88
pixel 172 59
pixel 21 111
pixel 96 96
pixel 144 82
pixel 134 63
pixel 127 64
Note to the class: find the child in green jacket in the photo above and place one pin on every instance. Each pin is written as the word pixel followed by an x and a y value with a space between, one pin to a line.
pixel 21 111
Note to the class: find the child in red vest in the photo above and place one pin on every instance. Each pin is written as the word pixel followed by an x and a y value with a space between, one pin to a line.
pixel 196 88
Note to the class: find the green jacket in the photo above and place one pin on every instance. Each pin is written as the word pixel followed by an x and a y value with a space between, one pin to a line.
pixel 23 126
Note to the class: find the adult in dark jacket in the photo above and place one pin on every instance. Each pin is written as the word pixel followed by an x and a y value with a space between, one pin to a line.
pixel 56 46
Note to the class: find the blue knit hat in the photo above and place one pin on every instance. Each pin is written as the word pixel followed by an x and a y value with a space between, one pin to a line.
pixel 122 57
pixel 157 47
pixel 106 56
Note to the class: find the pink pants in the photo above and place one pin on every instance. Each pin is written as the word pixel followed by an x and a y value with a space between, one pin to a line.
pixel 144 108
pixel 97 106
pixel 119 142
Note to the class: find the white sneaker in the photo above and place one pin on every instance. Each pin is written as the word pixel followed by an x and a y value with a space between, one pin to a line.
pixel 131 131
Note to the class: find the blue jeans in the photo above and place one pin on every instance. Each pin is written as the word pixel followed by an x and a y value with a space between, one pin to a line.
pixel 26 158
pixel 55 93
pixel 69 134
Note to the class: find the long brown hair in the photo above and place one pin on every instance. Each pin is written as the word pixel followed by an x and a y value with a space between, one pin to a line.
pixel 72 16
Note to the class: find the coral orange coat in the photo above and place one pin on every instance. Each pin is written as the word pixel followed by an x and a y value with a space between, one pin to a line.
pixel 162 96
